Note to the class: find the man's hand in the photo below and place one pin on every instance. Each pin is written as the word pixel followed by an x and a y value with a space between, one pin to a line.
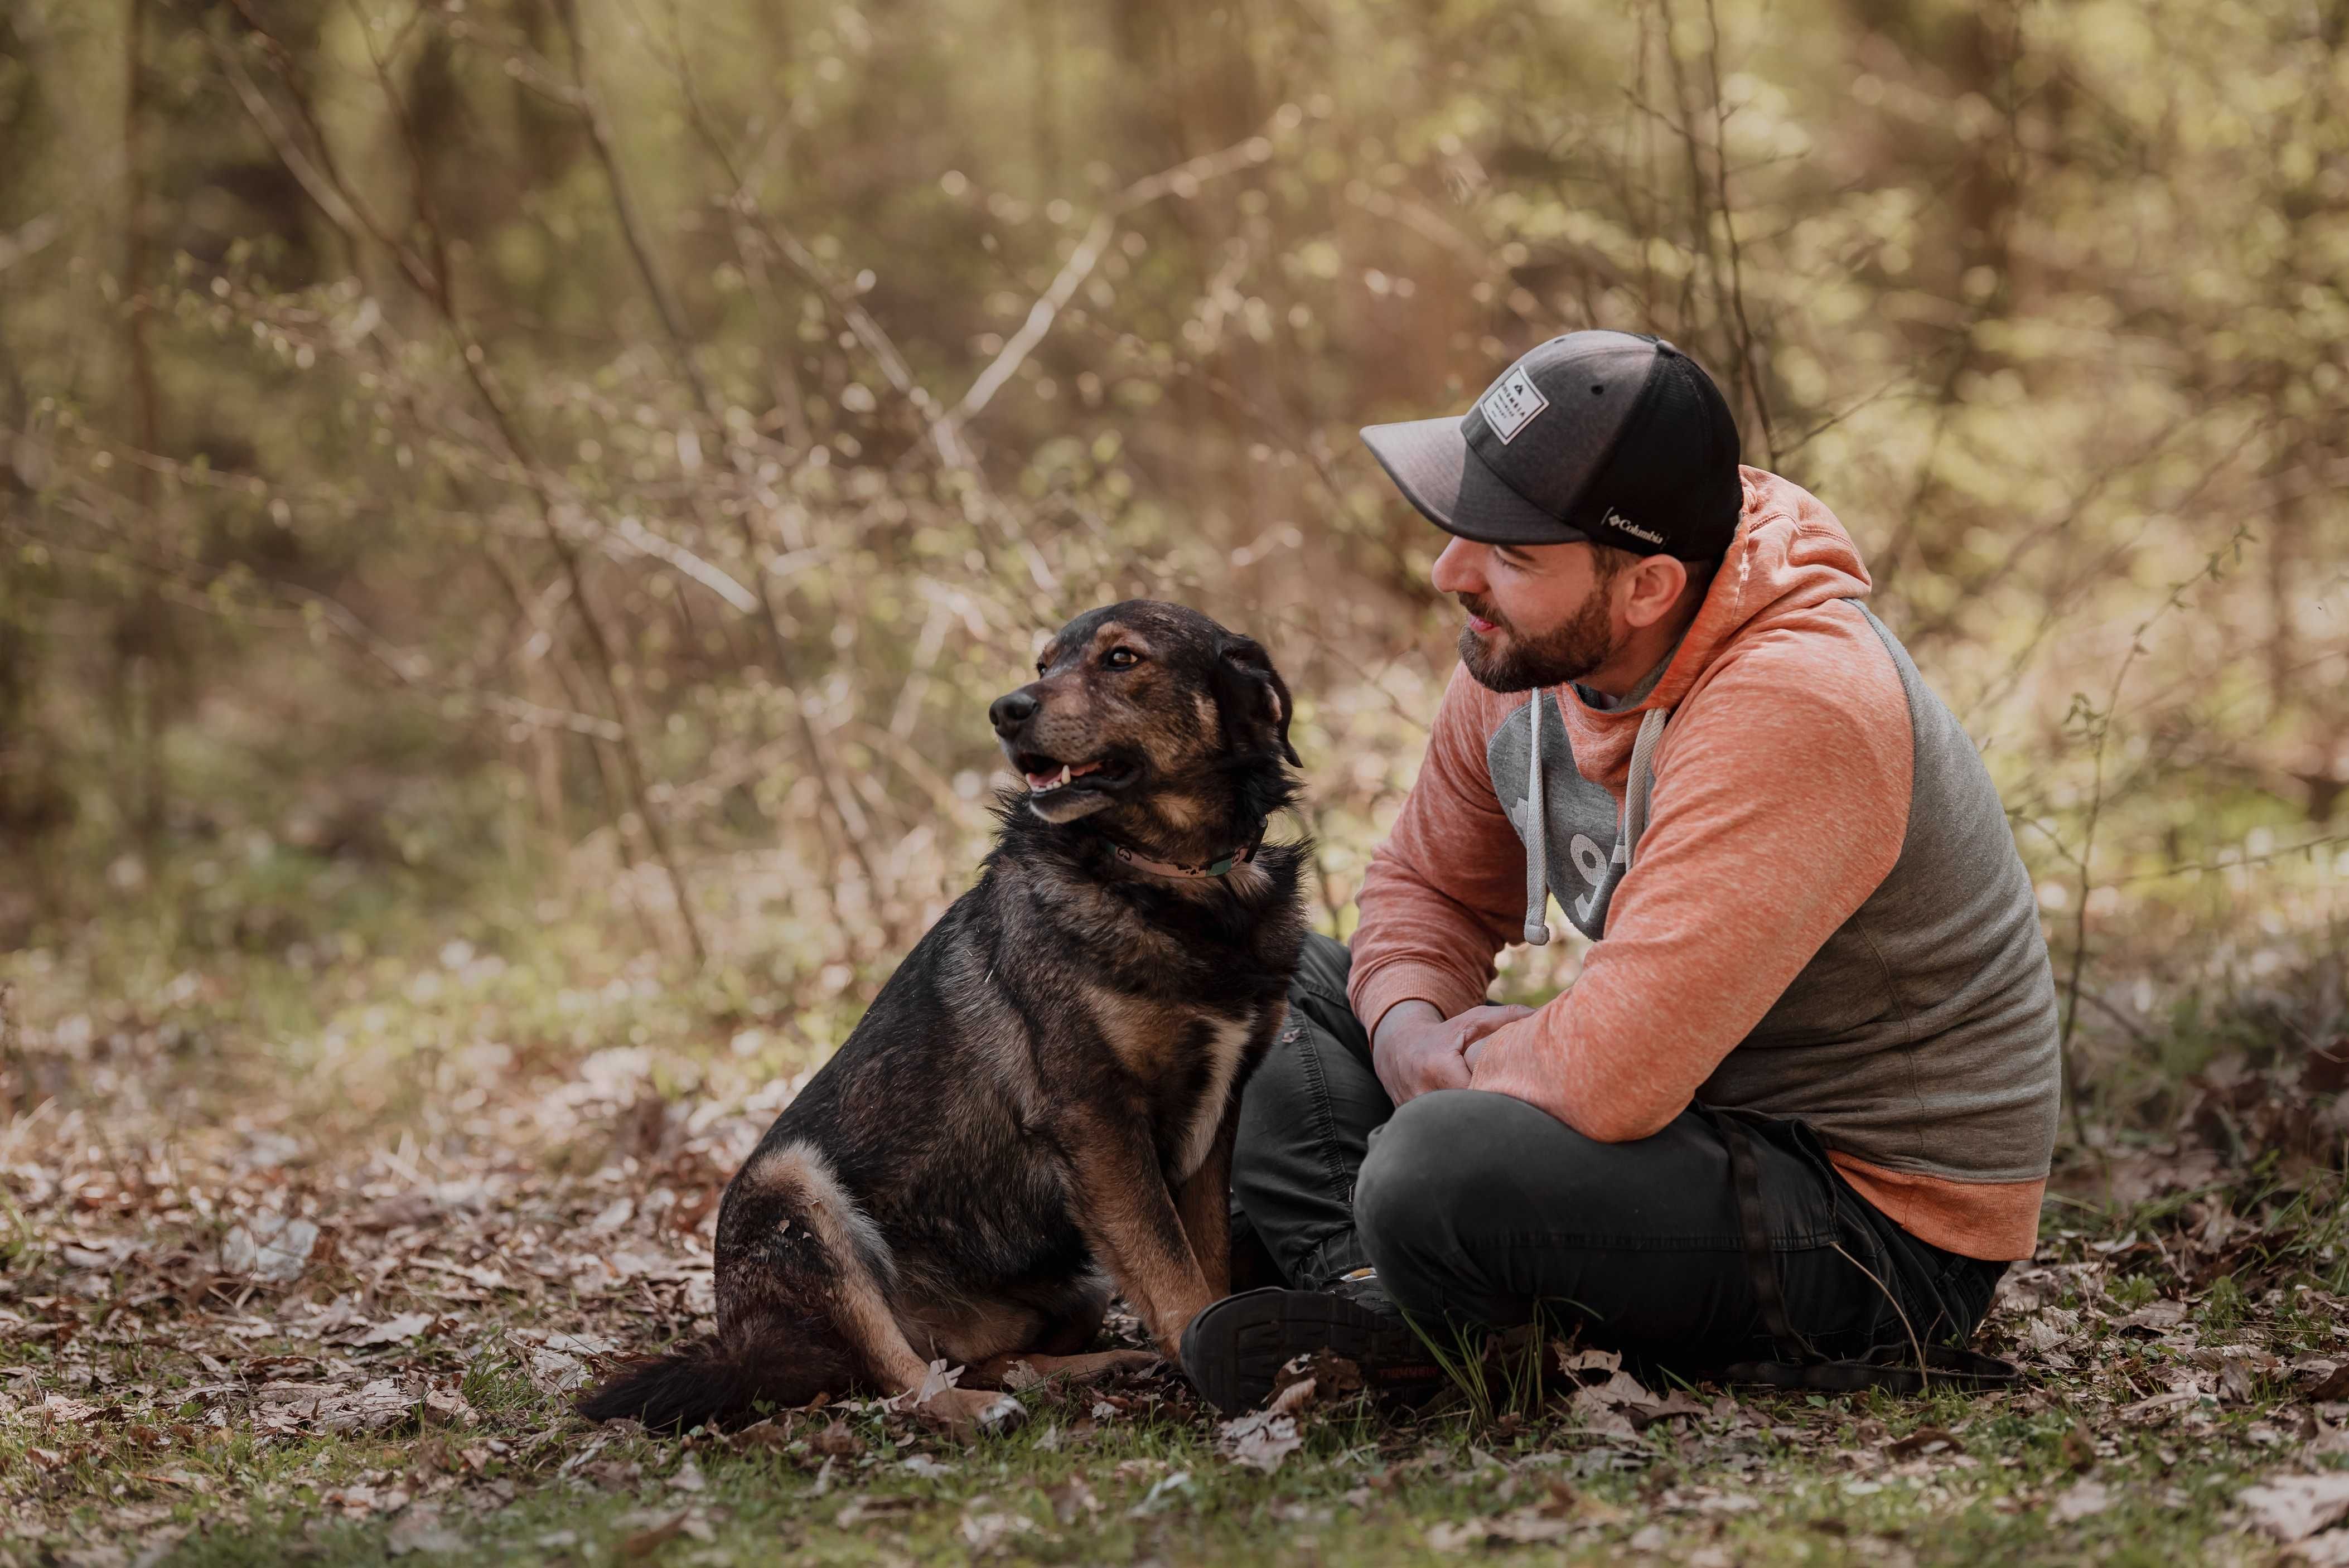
pixel 1417 1049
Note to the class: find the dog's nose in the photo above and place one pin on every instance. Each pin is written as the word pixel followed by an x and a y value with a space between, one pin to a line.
pixel 1012 710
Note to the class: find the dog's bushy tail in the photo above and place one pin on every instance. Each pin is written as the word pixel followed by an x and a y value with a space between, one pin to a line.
pixel 721 1381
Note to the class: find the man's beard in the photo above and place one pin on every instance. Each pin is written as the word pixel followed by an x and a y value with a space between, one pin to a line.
pixel 1566 654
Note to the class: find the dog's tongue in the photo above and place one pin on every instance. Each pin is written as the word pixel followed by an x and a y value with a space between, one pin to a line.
pixel 1066 772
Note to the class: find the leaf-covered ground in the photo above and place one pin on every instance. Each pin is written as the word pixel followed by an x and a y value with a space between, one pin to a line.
pixel 298 1264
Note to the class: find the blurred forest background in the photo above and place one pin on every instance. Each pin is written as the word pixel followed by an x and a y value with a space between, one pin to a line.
pixel 500 478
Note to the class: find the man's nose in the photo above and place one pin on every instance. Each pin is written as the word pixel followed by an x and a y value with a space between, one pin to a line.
pixel 1458 568
pixel 1012 710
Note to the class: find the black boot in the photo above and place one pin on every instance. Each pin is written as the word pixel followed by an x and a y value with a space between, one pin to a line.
pixel 1235 1348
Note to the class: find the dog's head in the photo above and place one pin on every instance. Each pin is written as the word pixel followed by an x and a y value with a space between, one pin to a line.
pixel 1152 716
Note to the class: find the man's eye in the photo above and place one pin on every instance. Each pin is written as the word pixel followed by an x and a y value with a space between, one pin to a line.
pixel 1122 658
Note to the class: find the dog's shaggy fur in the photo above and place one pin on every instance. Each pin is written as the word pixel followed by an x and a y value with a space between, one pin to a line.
pixel 1040 1103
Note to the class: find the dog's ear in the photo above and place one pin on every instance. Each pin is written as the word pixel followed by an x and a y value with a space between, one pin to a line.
pixel 1249 691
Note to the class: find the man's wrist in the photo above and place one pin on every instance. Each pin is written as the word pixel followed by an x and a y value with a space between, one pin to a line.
pixel 1403 1014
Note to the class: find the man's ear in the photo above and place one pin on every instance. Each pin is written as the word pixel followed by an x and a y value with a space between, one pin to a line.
pixel 1655 589
pixel 1249 691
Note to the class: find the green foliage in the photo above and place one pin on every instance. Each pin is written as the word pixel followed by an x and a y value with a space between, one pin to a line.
pixel 604 458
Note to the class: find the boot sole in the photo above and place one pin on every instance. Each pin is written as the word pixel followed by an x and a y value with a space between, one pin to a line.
pixel 1233 1350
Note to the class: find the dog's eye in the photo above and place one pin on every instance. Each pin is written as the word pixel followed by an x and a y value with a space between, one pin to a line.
pixel 1044 664
pixel 1121 658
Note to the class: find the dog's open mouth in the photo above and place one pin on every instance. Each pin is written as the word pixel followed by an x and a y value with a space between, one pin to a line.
pixel 1049 775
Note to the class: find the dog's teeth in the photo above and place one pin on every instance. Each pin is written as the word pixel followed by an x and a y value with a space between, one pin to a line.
pixel 1064 773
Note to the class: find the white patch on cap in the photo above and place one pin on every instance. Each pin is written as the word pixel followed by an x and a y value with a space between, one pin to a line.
pixel 1616 520
pixel 1511 406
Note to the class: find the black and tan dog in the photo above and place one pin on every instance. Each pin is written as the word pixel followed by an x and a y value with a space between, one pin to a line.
pixel 1040 1103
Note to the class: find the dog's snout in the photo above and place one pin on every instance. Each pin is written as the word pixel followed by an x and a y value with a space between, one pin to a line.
pixel 1012 710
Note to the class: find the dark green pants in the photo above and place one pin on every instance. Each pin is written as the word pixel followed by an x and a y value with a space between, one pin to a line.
pixel 1476 1207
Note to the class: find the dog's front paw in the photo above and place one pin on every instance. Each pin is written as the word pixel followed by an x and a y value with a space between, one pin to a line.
pixel 970 1413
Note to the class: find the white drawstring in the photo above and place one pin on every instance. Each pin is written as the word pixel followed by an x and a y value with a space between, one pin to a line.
pixel 1642 778
pixel 1536 837
pixel 1636 787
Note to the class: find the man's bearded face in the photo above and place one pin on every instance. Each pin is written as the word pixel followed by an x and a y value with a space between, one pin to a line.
pixel 1511 658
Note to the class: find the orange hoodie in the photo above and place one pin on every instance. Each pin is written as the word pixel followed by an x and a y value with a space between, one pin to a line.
pixel 1818 911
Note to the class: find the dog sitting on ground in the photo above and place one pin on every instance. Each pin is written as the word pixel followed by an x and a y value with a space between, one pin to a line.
pixel 1041 1101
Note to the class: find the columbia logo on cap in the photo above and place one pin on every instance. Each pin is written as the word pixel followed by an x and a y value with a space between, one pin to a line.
pixel 1617 521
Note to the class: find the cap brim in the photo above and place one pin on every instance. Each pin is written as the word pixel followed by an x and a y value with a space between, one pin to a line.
pixel 1430 463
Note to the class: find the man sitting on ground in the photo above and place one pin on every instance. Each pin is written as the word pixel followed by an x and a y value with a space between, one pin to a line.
pixel 1801 1102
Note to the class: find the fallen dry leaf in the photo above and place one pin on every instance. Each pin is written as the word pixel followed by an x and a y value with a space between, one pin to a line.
pixel 1923 1440
pixel 1596 1414
pixel 1297 1397
pixel 1457 1535
pixel 332 1408
pixel 269 1246
pixel 2294 1507
pixel 989 1531
pixel 1260 1440
pixel 391 1331
pixel 447 1405
pixel 2330 1549
pixel 360 1500
pixel 2154 1319
pixel 421 1530
pixel 652 1538
pixel 2085 1498
pixel 836 1441
pixel 1072 1498
pixel 1519 1527
pixel 1316 1374
pixel 1580 1361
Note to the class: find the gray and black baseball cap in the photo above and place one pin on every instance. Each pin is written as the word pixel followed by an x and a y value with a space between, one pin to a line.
pixel 1611 436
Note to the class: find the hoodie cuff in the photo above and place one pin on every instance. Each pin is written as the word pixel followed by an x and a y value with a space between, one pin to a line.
pixel 1372 995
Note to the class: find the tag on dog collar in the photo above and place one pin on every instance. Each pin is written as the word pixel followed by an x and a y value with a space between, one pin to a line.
pixel 1221 868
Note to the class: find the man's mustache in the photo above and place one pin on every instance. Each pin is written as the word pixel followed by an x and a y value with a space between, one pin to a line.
pixel 1483 612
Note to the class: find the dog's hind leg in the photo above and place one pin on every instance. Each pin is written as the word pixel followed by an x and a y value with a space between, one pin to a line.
pixel 803 1282
pixel 1057 1350
pixel 795 1184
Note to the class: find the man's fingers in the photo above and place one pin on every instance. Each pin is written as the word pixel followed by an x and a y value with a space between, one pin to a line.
pixel 1450 1073
pixel 1438 1069
pixel 1478 1022
pixel 1411 1067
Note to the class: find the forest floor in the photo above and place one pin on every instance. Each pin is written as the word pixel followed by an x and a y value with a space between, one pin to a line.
pixel 300 1262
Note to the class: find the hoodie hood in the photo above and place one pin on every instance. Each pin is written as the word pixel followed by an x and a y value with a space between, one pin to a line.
pixel 1789 554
